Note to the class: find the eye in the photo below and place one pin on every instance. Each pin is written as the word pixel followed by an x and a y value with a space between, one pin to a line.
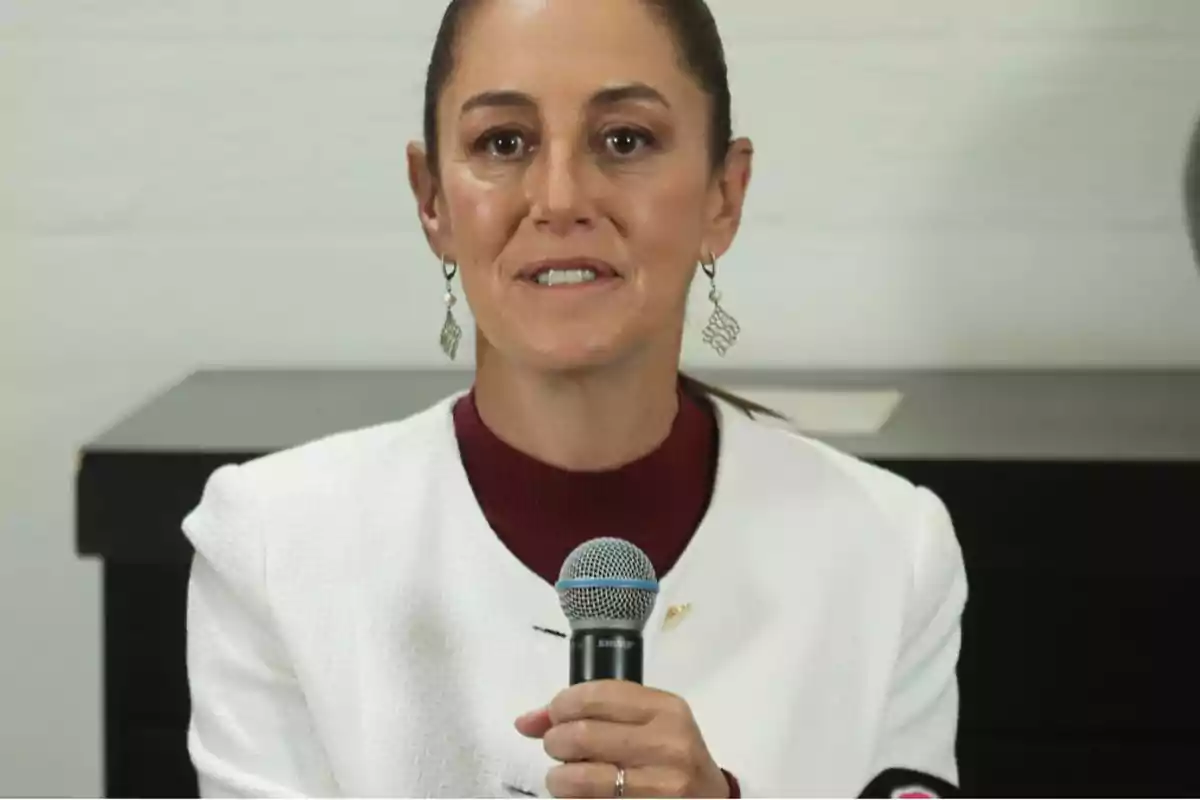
pixel 625 142
pixel 506 145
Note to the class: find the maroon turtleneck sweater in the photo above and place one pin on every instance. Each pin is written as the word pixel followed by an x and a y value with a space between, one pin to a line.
pixel 541 513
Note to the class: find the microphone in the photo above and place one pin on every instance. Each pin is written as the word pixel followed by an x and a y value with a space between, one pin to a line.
pixel 606 588
pixel 909 784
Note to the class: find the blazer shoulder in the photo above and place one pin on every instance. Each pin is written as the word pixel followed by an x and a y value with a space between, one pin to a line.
pixel 309 486
pixel 916 516
pixel 330 460
pixel 904 508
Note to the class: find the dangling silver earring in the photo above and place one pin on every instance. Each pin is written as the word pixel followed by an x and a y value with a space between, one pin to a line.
pixel 451 330
pixel 721 332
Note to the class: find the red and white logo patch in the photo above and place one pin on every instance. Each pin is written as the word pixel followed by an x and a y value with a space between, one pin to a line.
pixel 914 793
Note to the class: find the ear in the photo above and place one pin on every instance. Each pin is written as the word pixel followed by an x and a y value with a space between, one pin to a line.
pixel 425 191
pixel 728 197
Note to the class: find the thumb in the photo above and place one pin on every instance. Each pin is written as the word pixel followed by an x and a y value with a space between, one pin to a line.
pixel 535 723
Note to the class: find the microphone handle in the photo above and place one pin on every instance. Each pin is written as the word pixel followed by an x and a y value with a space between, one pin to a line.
pixel 606 654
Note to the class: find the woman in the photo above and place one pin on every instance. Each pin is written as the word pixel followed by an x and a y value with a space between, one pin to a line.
pixel 373 613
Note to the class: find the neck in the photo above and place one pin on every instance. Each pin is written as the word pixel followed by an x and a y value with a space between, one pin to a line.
pixel 587 420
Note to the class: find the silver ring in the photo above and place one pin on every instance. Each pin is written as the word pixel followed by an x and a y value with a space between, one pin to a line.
pixel 619 786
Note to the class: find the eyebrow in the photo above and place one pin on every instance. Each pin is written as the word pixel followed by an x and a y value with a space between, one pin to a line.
pixel 630 91
pixel 604 97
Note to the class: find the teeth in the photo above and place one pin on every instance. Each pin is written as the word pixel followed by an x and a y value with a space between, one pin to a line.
pixel 558 277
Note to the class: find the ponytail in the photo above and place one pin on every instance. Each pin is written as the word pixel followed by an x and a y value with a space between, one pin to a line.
pixel 705 391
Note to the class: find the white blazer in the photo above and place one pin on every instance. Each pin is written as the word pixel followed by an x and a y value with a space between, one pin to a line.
pixel 356 628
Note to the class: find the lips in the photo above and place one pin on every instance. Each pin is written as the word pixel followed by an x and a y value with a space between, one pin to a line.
pixel 602 269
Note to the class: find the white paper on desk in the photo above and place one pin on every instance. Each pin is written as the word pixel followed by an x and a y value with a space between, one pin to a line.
pixel 832 411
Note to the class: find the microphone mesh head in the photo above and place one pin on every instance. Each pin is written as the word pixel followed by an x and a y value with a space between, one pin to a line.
pixel 607 580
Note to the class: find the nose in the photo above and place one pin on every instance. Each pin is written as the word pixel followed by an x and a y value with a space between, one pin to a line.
pixel 558 187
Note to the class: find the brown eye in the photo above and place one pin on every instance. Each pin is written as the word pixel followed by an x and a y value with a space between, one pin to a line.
pixel 504 145
pixel 625 142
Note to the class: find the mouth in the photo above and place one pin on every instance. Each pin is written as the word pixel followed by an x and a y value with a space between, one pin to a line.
pixel 569 272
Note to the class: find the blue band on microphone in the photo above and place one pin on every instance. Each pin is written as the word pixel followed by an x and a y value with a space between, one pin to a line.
pixel 606 583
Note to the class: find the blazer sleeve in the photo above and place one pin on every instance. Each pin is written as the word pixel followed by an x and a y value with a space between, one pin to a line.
pixel 920 716
pixel 251 733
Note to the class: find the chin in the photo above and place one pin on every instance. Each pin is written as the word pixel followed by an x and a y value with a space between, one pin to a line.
pixel 567 356
pixel 573 345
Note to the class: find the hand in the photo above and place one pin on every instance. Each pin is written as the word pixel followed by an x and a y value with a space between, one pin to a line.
pixel 597 727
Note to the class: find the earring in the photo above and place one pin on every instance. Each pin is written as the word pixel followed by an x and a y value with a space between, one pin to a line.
pixel 721 332
pixel 451 330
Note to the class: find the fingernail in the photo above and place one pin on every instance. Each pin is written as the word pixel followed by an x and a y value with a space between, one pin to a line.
pixel 531 715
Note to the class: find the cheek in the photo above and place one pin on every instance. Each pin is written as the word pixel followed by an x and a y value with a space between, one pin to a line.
pixel 673 206
pixel 665 226
pixel 481 219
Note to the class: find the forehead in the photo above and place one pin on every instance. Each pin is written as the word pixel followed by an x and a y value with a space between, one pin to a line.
pixel 564 48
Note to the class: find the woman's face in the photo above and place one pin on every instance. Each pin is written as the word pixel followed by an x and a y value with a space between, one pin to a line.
pixel 576 190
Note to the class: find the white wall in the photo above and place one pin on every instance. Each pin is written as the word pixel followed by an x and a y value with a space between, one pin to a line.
pixel 187 182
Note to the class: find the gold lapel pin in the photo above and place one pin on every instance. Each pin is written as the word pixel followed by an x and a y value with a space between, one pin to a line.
pixel 675 615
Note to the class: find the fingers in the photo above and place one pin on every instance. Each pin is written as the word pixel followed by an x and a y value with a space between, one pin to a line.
pixel 597 740
pixel 586 780
pixel 600 780
pixel 617 743
pixel 534 724
pixel 611 701
pixel 592 726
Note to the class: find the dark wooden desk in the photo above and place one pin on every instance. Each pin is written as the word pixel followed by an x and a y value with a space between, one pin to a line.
pixel 1076 497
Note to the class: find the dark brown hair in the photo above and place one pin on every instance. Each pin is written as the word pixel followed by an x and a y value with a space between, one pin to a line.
pixel 701 52
pixel 690 22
